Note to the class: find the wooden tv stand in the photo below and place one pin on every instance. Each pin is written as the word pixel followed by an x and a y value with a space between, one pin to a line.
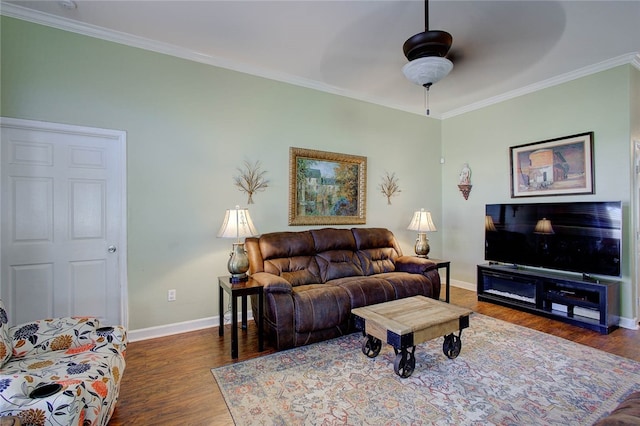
pixel 588 303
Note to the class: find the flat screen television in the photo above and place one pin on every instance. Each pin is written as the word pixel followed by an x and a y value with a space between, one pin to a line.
pixel 584 237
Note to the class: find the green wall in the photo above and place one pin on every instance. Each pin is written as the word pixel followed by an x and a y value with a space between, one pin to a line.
pixel 189 127
pixel 600 103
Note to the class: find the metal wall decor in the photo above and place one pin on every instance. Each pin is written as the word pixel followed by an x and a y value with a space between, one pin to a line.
pixel 389 186
pixel 251 179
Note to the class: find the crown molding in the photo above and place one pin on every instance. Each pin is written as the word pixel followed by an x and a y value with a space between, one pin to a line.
pixel 30 15
pixel 630 58
pixel 15 11
pixel 636 61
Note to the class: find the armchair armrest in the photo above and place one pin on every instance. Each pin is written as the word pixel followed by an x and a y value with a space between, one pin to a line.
pixel 272 283
pixel 18 395
pixel 52 335
pixel 414 265
pixel 111 336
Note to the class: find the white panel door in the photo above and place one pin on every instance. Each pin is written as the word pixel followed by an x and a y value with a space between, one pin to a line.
pixel 63 231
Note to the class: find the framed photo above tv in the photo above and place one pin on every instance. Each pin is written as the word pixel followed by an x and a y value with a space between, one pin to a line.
pixel 326 188
pixel 561 166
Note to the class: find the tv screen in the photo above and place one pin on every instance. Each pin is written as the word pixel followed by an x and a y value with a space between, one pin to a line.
pixel 583 237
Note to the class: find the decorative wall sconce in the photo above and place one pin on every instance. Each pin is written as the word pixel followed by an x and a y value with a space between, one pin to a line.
pixel 464 183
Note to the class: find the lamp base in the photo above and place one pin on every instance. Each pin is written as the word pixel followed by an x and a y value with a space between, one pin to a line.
pixel 422 245
pixel 238 278
pixel 238 264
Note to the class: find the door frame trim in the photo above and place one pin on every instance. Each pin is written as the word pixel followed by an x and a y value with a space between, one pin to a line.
pixel 635 220
pixel 119 137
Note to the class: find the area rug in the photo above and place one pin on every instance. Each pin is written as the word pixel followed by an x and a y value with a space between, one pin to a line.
pixel 504 375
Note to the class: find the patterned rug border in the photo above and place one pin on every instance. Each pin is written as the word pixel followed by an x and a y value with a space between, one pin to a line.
pixel 238 381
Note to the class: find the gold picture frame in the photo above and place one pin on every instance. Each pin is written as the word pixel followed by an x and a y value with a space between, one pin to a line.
pixel 326 188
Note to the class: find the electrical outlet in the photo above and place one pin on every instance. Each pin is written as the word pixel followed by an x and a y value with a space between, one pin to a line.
pixel 171 295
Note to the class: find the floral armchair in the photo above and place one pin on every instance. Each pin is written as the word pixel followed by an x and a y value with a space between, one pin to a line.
pixel 62 371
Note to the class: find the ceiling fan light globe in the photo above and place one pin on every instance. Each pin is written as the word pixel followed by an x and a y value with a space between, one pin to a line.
pixel 427 70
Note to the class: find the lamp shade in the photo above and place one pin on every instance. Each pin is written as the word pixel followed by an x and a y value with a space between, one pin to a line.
pixel 488 224
pixel 422 222
pixel 427 70
pixel 543 226
pixel 237 224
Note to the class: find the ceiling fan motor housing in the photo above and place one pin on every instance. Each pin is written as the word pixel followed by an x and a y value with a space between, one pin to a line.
pixel 427 43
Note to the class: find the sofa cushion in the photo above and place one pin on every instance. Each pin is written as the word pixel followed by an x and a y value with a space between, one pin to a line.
pixel 407 285
pixel 370 238
pixel 625 414
pixel 377 260
pixel 286 244
pixel 366 291
pixel 336 253
pixel 320 306
pixel 333 239
pixel 6 346
pixel 298 270
pixel 337 264
pixel 52 334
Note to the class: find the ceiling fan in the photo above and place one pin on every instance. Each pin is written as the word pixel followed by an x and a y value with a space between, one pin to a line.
pixel 426 53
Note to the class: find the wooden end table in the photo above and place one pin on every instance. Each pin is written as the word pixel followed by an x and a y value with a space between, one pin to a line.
pixel 239 289
pixel 405 323
pixel 447 265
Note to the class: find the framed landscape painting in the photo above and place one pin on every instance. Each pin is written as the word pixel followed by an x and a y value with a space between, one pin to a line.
pixel 561 166
pixel 326 188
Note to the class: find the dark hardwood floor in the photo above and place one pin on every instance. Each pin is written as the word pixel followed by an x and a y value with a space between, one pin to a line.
pixel 168 380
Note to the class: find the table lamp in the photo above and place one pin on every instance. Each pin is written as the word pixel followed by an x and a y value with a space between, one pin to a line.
pixel 237 224
pixel 422 223
pixel 543 226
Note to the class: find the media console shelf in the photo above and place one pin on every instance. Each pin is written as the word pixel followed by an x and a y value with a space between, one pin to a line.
pixel 587 303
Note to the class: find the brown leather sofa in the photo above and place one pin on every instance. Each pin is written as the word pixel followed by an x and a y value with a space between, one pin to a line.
pixel 625 414
pixel 312 279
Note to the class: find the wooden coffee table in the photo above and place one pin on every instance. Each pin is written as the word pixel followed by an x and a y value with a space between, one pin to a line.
pixel 405 323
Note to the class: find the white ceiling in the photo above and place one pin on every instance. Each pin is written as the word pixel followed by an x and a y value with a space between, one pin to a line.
pixel 354 48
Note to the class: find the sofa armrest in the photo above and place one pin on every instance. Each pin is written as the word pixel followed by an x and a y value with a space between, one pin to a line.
pixel 414 264
pixel 17 398
pixel 52 335
pixel 272 283
pixel 111 336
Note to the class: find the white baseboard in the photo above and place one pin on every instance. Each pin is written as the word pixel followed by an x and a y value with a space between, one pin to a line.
pixel 463 284
pixel 630 323
pixel 179 327
pixel 199 324
pixel 169 329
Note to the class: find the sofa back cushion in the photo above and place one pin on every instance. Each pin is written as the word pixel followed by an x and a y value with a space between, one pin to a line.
pixel 290 255
pixel 297 270
pixel 377 249
pixel 336 253
pixel 6 347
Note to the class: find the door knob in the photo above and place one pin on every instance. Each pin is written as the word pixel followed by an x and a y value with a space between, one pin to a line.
pixel 111 249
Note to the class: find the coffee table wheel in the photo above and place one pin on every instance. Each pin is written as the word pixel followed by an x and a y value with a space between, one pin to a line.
pixel 371 346
pixel 451 346
pixel 405 363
